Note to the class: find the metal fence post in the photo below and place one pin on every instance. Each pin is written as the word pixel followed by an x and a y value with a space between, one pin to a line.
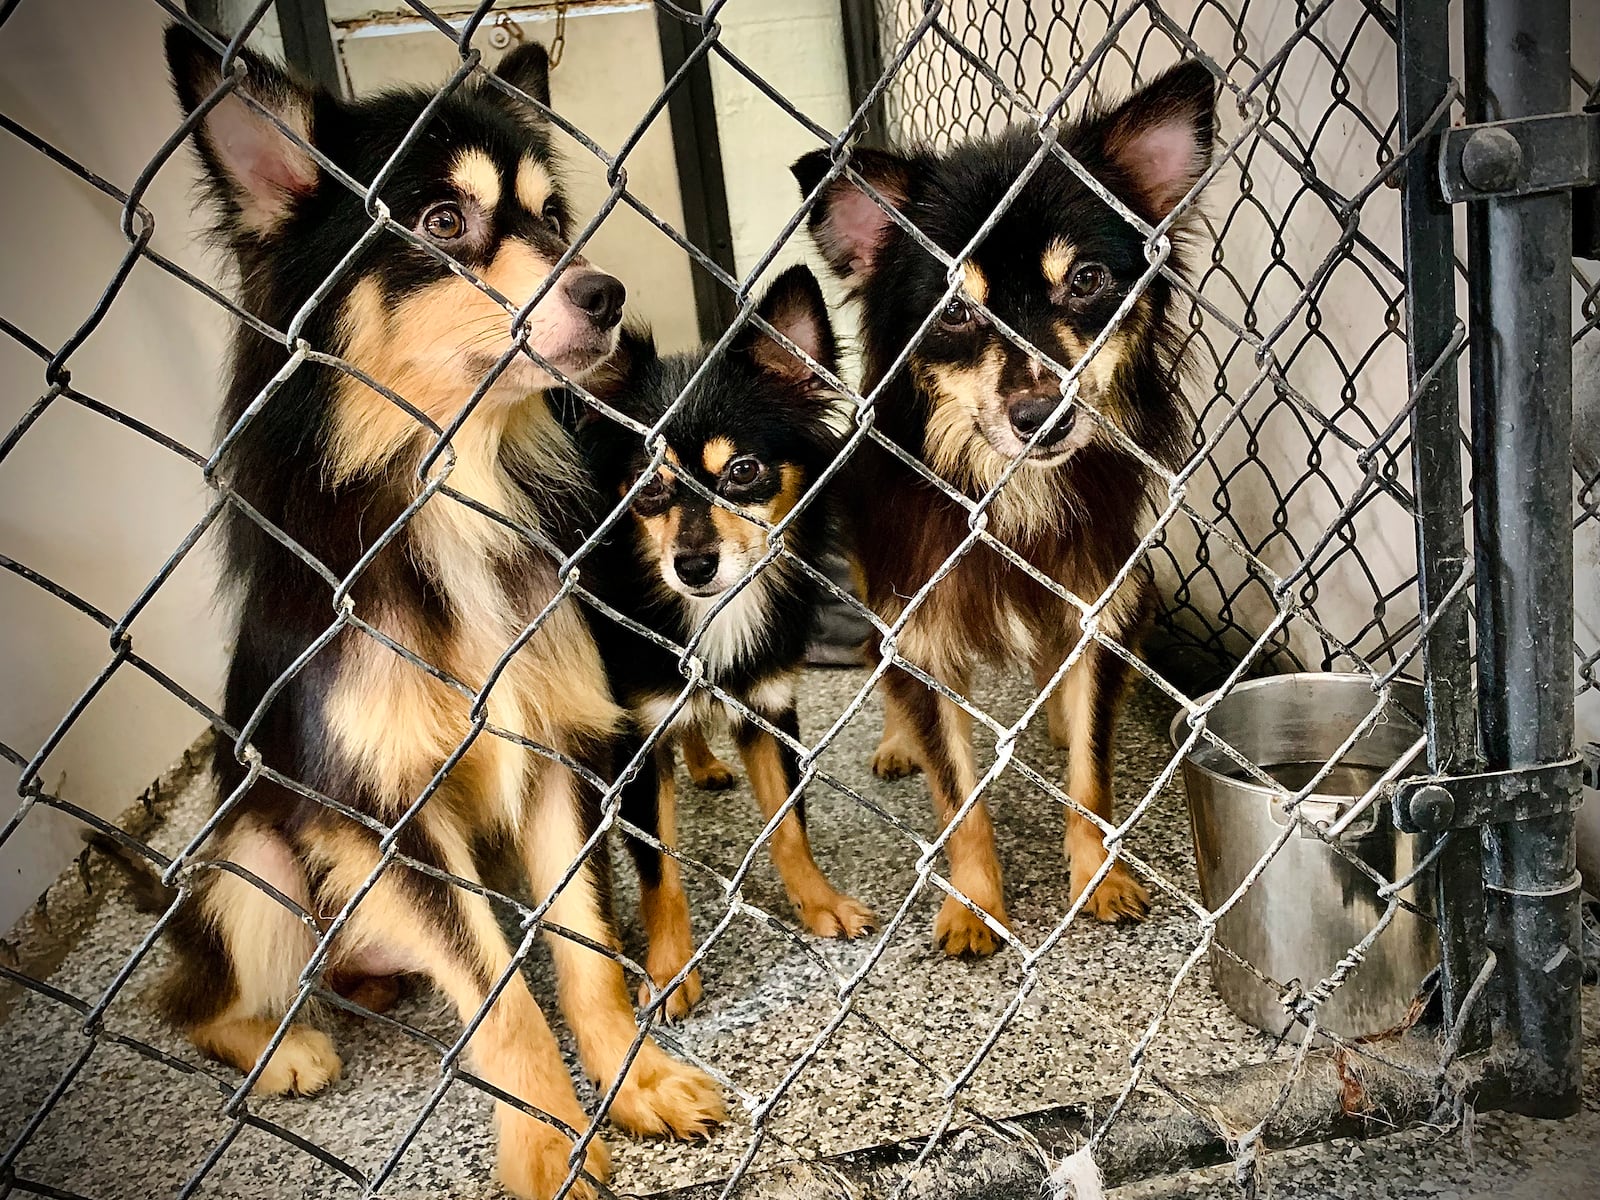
pixel 1432 344
pixel 1520 250
pixel 863 57
pixel 697 145
pixel 308 41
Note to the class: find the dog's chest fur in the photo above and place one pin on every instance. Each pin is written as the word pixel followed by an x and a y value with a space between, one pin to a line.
pixel 491 586
pixel 750 649
pixel 987 608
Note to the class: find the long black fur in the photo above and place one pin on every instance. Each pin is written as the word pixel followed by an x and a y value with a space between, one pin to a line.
pixel 275 463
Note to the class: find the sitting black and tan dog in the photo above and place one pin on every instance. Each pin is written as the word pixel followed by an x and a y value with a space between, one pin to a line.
pixel 330 461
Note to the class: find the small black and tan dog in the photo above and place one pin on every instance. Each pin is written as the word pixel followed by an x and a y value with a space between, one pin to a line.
pixel 331 461
pixel 970 401
pixel 753 431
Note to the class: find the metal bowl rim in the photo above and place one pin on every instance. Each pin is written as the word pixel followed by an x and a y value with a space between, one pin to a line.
pixel 1181 721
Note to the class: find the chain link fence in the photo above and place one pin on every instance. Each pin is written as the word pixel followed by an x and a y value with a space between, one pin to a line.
pixel 1285 539
pixel 1586 471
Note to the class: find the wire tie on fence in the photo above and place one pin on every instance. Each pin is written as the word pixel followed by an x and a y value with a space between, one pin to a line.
pixel 1289 999
pixel 1250 1169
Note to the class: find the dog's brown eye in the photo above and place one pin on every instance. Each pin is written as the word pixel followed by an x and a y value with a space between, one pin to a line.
pixel 742 472
pixel 557 225
pixel 1088 281
pixel 444 222
pixel 654 495
pixel 958 314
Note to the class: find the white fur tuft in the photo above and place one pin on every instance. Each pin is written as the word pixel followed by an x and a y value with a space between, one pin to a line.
pixel 1077 1178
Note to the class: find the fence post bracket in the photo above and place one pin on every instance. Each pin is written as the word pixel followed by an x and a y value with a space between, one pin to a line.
pixel 1528 156
pixel 1435 803
pixel 1591 765
pixel 1520 157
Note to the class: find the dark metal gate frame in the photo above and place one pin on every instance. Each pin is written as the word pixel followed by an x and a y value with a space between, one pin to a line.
pixel 1518 66
pixel 1503 777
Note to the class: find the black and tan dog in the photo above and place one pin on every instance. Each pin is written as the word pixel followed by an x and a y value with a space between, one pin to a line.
pixel 753 431
pixel 970 402
pixel 331 462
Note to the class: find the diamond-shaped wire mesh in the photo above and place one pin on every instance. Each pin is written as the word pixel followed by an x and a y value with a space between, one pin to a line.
pixel 1285 538
pixel 1586 489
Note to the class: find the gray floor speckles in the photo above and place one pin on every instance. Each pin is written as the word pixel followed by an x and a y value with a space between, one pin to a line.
pixel 130 1127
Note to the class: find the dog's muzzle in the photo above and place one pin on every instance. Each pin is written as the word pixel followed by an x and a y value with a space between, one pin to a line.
pixel 1030 412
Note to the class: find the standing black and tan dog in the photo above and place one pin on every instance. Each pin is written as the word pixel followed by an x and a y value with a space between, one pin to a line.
pixel 754 431
pixel 331 462
pixel 1055 268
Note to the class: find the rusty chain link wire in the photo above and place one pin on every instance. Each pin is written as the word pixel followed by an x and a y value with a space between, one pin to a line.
pixel 1277 528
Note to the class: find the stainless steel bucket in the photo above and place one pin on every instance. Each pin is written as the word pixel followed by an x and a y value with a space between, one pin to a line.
pixel 1310 905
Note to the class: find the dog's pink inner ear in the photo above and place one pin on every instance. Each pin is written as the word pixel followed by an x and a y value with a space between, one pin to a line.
pixel 793 305
pixel 855 230
pixel 266 169
pixel 804 329
pixel 1164 160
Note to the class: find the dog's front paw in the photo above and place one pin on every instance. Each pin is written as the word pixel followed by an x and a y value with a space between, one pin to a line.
pixel 533 1157
pixel 837 916
pixel 682 999
pixel 1119 896
pixel 663 1097
pixel 893 759
pixel 304 1063
pixel 960 933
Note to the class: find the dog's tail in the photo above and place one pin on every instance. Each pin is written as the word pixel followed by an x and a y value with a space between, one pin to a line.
pixel 145 889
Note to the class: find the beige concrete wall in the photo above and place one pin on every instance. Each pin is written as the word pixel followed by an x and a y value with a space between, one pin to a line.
pixel 93 505
pixel 795 44
pixel 797 47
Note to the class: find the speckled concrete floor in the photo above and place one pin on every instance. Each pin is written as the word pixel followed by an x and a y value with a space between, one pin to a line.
pixel 130 1127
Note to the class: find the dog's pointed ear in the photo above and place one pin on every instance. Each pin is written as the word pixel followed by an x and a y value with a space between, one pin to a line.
pixel 794 306
pixel 850 227
pixel 256 174
pixel 527 68
pixel 1161 137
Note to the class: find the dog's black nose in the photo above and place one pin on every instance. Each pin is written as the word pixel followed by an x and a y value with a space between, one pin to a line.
pixel 598 295
pixel 1029 413
pixel 696 570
